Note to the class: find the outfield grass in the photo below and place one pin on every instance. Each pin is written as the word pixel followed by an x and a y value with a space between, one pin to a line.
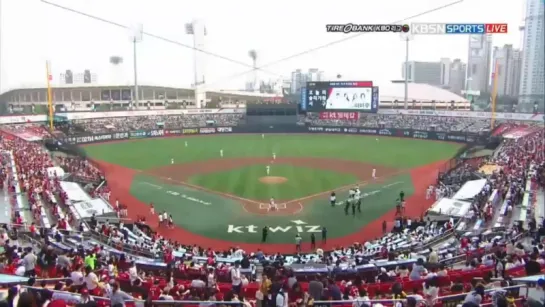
pixel 392 152
pixel 302 181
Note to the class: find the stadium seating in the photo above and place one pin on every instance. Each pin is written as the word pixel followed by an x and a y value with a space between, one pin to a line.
pixel 376 267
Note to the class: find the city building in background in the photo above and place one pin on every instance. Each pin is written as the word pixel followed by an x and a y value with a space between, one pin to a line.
pixel 422 72
pixel 509 62
pixel 85 77
pixel 457 80
pixel 532 79
pixel 299 78
pixel 445 74
pixel 479 63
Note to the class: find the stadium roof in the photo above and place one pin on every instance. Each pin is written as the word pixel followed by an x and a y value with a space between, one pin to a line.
pixel 388 91
pixel 417 91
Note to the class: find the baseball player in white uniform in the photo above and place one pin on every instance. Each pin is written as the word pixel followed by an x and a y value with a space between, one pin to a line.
pixel 268 170
pixel 274 156
pixel 272 205
pixel 429 192
pixel 171 161
pixel 221 153
pixel 160 219
pixel 374 174
pixel 186 144
pixel 262 135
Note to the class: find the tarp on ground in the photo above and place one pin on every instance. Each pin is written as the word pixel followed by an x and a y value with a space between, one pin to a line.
pixel 470 189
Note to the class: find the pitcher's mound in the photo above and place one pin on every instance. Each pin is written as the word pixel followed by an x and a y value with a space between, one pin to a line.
pixel 273 179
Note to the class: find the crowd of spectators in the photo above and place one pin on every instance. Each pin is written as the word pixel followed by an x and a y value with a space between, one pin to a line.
pixel 417 122
pixel 103 125
pixel 104 272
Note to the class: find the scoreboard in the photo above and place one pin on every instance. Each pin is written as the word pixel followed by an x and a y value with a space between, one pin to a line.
pixel 360 96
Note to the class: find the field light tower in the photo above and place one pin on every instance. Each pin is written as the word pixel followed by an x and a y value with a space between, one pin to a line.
pixel 406 37
pixel 253 55
pixel 198 30
pixel 136 37
pixel 116 63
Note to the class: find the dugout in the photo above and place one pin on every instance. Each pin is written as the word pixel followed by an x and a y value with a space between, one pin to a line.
pixel 271 114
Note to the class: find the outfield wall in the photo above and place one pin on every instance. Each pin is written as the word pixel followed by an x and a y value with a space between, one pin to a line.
pixel 460 137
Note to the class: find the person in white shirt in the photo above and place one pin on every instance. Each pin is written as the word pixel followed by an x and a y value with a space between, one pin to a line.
pixel 362 300
pixel 77 277
pixel 211 278
pixel 20 271
pixel 133 273
pixel 91 279
pixel 281 298
pixel 236 280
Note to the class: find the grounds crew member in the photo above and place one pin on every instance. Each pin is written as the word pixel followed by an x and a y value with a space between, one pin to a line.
pixel 358 198
pixel 346 206
pixel 264 234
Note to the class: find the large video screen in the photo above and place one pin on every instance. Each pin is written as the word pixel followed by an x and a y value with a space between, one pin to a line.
pixel 359 96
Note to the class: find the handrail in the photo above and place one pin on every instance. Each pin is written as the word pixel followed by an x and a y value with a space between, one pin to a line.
pixel 485 291
pixel 441 298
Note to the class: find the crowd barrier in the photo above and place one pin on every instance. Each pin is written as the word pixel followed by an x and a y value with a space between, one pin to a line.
pixel 446 300
pixel 461 137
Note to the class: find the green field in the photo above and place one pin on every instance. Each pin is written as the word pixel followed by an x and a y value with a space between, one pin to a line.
pixel 393 152
pixel 302 181
pixel 199 204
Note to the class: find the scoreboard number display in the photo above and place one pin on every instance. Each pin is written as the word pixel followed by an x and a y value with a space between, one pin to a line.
pixel 338 96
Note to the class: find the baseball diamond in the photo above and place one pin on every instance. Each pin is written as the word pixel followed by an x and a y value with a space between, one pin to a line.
pixel 219 188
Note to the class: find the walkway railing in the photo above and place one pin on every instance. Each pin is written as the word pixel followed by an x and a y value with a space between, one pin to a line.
pixel 447 300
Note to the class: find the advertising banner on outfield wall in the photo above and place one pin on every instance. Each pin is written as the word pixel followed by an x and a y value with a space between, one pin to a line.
pixel 406 133
pixel 169 132
pixel 190 131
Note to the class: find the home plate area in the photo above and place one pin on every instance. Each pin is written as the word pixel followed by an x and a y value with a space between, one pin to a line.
pixel 268 207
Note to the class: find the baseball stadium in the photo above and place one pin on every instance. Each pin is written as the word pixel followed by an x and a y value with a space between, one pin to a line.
pixel 319 182
pixel 264 175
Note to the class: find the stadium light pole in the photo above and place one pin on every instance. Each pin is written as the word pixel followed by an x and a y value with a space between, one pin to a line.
pixel 407 37
pixel 136 36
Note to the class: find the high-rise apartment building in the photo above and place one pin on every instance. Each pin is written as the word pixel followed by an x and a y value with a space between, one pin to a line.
pixel 479 63
pixel 300 78
pixel 422 72
pixel 457 80
pixel 508 61
pixel 532 79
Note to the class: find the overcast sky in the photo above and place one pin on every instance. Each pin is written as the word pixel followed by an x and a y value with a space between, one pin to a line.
pixel 33 32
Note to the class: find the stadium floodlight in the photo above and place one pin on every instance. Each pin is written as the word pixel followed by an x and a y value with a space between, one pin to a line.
pixel 406 37
pixel 136 35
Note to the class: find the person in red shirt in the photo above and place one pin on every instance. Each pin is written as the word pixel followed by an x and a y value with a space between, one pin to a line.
pixel 155 291
pixel 464 242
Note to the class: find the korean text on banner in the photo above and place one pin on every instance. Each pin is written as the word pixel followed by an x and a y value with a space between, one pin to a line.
pixel 346 116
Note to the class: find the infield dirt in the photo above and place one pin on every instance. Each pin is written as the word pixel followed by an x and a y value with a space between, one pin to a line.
pixel 273 180
pixel 180 173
